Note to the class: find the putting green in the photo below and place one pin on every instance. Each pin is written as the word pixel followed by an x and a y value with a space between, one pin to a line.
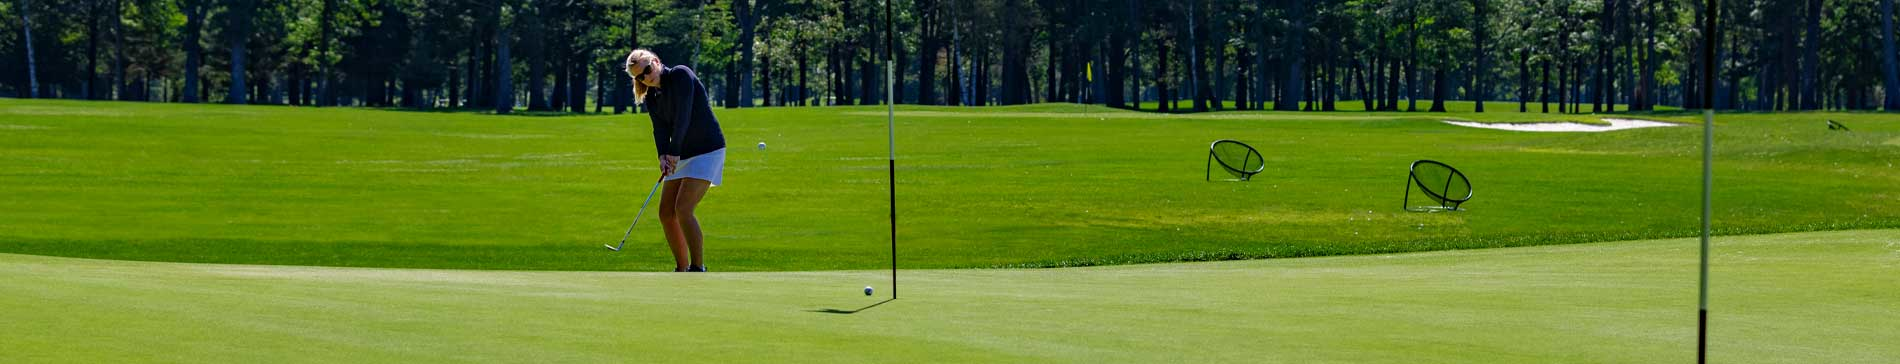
pixel 1822 297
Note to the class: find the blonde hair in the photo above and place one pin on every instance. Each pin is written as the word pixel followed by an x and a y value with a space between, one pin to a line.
pixel 633 68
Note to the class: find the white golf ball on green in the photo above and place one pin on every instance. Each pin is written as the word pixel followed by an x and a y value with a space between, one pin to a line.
pixel 867 290
pixel 761 145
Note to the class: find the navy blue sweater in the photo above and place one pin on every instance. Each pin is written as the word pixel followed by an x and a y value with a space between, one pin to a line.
pixel 683 122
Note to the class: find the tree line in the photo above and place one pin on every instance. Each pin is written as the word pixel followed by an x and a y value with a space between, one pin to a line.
pixel 1171 56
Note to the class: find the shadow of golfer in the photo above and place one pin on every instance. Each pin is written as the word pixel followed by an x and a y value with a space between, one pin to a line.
pixel 847 312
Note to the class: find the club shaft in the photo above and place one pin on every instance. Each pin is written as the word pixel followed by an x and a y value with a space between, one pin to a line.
pixel 637 215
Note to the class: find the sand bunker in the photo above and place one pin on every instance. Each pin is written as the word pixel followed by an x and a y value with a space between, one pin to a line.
pixel 1615 124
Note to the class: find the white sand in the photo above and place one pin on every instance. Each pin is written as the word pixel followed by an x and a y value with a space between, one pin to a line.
pixel 1615 124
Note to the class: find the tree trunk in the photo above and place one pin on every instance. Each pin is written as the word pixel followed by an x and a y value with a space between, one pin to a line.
pixel 577 88
pixel 1562 56
pixel 1218 52
pixel 1482 33
pixel 804 92
pixel 1603 70
pixel 562 76
pixel 455 87
pixel 326 24
pixel 485 90
pixel 1015 56
pixel 1311 87
pixel 534 44
pixel 1329 84
pixel 1133 65
pixel 737 72
pixel 240 13
pixel 1262 73
pixel 1411 61
pixel 1376 78
pixel 1196 64
pixel 600 87
pixel 927 57
pixel 897 91
pixel 472 81
pixel 1731 90
pixel 118 51
pixel 91 85
pixel 1242 101
pixel 1116 63
pixel 1049 81
pixel 32 63
pixel 842 61
pixel 1291 85
pixel 1367 92
pixel 623 84
pixel 1641 97
pixel 504 67
pixel 295 93
pixel 980 84
pixel 1810 67
pixel 868 75
pixel 765 80
pixel 1438 90
pixel 1163 102
pixel 1888 67
pixel 953 95
pixel 1072 61
pixel 1767 85
pixel 1523 80
pixel 1394 73
pixel 1625 35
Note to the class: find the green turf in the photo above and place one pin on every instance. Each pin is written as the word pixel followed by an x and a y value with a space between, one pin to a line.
pixel 1186 106
pixel 1027 186
pixel 1792 298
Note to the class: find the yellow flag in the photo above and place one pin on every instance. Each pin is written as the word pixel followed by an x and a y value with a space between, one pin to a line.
pixel 1090 70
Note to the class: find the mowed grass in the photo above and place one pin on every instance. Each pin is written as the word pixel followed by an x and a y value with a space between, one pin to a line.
pixel 1791 298
pixel 1029 186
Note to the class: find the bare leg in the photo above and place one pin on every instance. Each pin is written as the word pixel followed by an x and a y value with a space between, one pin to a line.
pixel 670 222
pixel 691 192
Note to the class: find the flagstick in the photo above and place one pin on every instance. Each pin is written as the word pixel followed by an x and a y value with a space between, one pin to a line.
pixel 890 126
pixel 1708 174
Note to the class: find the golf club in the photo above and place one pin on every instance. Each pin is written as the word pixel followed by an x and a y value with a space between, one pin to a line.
pixel 636 216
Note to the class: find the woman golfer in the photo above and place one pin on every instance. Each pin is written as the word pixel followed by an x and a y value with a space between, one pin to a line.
pixel 692 150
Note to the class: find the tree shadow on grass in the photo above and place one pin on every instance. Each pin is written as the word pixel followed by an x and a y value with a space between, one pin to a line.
pixel 847 312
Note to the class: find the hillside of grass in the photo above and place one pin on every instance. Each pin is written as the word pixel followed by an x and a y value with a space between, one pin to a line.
pixel 1023 186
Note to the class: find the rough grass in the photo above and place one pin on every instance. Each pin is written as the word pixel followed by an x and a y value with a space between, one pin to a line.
pixel 1027 186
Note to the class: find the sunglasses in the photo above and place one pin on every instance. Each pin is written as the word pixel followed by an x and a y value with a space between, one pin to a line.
pixel 642 76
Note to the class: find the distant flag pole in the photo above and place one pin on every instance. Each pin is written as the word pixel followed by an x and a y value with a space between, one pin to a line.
pixel 890 126
pixel 1708 174
pixel 1088 72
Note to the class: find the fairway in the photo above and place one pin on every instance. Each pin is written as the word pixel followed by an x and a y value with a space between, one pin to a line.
pixel 1788 298
pixel 1031 186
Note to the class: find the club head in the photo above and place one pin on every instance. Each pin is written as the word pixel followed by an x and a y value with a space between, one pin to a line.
pixel 611 247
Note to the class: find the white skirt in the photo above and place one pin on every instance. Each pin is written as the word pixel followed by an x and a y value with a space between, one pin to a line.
pixel 709 167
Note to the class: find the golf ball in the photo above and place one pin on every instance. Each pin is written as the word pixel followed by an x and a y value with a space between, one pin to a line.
pixel 761 145
pixel 867 290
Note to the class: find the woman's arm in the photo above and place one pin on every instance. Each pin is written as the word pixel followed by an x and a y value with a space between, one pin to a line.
pixel 661 145
pixel 683 90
